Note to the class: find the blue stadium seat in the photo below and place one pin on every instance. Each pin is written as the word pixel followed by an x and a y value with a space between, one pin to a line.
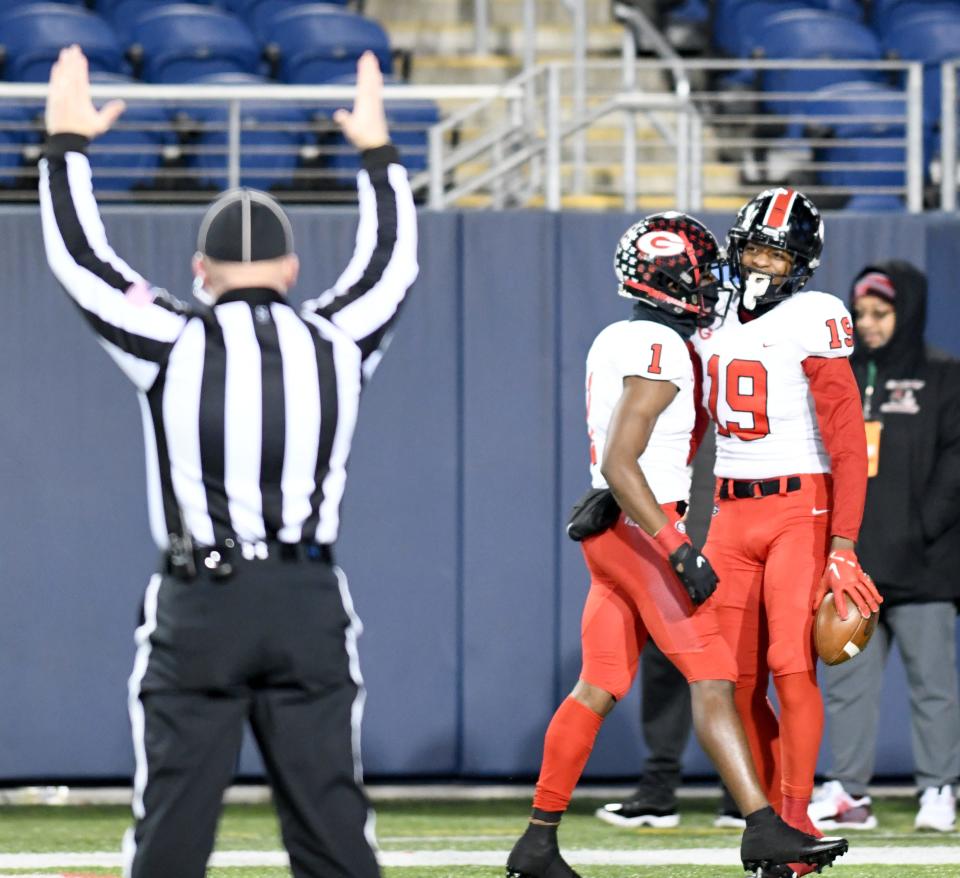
pixel 811 34
pixel 931 37
pixel 409 123
pixel 260 15
pixel 903 13
pixel 736 21
pixel 33 35
pixel 272 137
pixel 873 112
pixel 18 128
pixel 124 14
pixel 183 42
pixel 318 43
pixel 882 10
pixel 130 153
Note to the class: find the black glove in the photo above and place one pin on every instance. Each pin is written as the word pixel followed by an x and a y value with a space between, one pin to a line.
pixel 695 572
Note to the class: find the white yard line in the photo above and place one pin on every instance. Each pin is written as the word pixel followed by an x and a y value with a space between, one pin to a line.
pixel 914 856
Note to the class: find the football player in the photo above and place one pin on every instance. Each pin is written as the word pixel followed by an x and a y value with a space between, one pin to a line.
pixel 646 576
pixel 791 478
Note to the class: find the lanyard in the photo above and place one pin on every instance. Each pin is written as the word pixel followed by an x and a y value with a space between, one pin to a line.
pixel 868 390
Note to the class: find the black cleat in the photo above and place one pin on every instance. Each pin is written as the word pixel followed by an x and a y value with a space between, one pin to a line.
pixel 774 843
pixel 537 855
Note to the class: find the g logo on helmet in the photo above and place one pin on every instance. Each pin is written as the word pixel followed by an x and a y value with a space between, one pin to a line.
pixel 660 242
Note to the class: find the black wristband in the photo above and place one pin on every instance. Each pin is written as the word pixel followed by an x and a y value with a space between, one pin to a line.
pixel 380 157
pixel 58 145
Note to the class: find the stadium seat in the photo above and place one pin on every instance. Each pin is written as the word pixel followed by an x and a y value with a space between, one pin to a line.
pixel 128 156
pixel 124 14
pixel 736 21
pixel 811 34
pixel 903 13
pixel 18 128
pixel 261 14
pixel 409 123
pixel 272 138
pixel 317 43
pixel 184 42
pixel 882 10
pixel 931 37
pixel 864 111
pixel 33 35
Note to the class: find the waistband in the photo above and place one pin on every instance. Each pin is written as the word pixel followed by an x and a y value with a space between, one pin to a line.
pixel 742 489
pixel 220 562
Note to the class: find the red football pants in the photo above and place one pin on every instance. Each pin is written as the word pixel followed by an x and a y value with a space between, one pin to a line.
pixel 769 554
pixel 635 593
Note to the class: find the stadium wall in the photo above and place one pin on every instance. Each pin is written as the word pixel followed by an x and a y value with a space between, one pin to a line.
pixel 470 450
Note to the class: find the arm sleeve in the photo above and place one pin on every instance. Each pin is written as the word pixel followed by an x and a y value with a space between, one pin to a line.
pixel 366 299
pixel 840 418
pixel 940 509
pixel 136 325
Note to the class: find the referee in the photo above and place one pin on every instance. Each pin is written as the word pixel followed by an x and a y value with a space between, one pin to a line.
pixel 249 409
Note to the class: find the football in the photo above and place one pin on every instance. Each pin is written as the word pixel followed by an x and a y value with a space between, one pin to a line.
pixel 837 640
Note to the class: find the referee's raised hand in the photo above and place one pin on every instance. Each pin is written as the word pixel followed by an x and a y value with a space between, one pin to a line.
pixel 366 126
pixel 69 107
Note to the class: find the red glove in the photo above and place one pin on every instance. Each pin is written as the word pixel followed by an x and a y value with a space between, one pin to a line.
pixel 844 575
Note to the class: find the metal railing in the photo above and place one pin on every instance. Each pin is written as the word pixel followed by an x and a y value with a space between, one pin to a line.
pixel 183 142
pixel 648 144
pixel 715 144
pixel 948 135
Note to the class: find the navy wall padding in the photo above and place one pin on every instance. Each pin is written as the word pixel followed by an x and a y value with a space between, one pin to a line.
pixel 470 450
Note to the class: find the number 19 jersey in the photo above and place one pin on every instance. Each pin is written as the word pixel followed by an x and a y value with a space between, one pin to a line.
pixel 650 350
pixel 757 391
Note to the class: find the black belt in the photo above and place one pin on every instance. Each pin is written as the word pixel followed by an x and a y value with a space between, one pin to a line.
pixel 742 490
pixel 220 562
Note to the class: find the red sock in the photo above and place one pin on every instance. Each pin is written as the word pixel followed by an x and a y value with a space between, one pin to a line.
pixel 801 728
pixel 763 734
pixel 566 749
pixel 795 813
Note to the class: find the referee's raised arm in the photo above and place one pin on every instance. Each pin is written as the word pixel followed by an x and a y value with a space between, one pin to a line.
pixel 136 326
pixel 366 299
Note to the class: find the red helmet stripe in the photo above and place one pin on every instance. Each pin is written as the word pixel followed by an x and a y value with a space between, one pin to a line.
pixel 779 211
pixel 692 256
pixel 660 296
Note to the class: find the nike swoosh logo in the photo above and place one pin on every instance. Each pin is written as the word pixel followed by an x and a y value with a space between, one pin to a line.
pixel 816 511
pixel 770 345
pixel 700 561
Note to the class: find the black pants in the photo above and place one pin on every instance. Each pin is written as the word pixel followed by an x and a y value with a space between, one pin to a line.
pixel 274 644
pixel 666 719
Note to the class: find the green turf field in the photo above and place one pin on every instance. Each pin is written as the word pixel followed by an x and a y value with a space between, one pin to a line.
pixel 473 834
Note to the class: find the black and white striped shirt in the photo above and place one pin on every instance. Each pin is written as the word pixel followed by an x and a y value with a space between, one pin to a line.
pixel 248 407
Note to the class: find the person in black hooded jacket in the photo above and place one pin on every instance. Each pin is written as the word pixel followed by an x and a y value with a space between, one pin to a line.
pixel 910 544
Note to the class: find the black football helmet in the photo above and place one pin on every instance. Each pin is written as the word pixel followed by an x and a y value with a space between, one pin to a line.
pixel 787 220
pixel 670 261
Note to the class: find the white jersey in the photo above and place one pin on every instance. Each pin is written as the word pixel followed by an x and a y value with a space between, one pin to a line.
pixel 756 389
pixel 647 350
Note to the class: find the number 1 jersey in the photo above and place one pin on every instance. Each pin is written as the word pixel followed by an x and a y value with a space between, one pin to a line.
pixel 650 350
pixel 757 391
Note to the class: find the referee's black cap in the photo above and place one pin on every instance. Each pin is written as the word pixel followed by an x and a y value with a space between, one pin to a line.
pixel 245 225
